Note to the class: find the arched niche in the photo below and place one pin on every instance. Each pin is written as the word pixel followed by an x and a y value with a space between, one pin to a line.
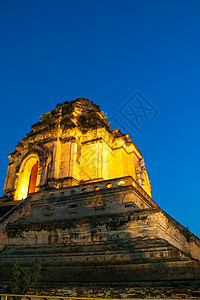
pixel 28 178
pixel 146 183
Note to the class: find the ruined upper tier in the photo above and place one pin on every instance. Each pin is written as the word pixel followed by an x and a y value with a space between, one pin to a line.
pixel 71 145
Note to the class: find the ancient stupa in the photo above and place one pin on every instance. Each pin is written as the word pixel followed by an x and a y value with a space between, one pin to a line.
pixel 77 199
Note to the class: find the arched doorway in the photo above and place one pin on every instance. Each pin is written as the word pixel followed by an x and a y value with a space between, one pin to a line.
pixel 146 183
pixel 28 177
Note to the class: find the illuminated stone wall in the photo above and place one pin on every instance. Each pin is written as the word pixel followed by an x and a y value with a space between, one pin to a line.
pixel 91 219
pixel 83 149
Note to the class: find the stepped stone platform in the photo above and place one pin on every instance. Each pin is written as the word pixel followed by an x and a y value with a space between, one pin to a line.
pixel 98 238
pixel 77 200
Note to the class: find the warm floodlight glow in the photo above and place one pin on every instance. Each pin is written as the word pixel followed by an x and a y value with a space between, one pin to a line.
pixel 121 182
pixel 109 185
pixel 72 145
pixel 28 177
pixel 147 186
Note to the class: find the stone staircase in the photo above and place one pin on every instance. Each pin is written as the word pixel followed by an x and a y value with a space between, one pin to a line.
pixel 10 213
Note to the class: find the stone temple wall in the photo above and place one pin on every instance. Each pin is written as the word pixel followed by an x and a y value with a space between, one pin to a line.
pixel 82 149
pixel 89 233
pixel 91 222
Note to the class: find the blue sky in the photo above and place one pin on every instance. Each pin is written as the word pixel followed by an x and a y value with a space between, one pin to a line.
pixel 107 51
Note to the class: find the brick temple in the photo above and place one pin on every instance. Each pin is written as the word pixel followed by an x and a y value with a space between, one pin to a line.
pixel 77 199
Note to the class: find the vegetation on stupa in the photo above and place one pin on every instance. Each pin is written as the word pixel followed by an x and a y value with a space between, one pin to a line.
pixel 23 278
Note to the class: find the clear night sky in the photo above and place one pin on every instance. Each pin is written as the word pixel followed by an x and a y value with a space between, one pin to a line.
pixel 106 51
